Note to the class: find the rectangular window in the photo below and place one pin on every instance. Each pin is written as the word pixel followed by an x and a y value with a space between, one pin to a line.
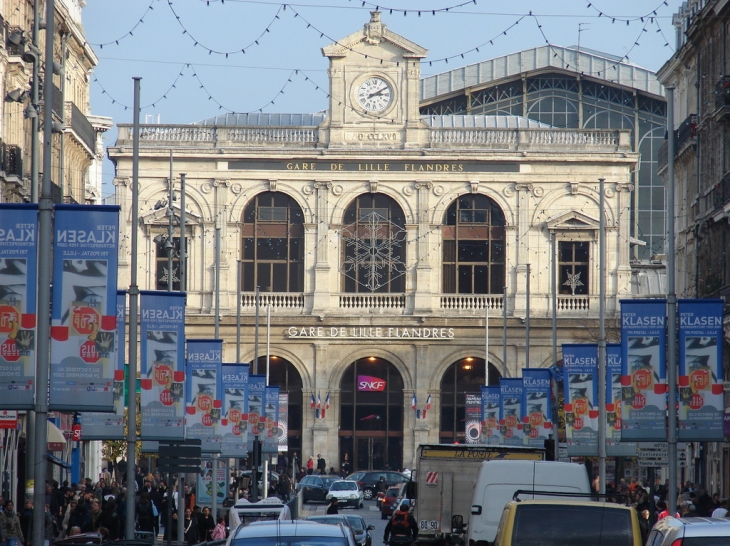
pixel 573 263
pixel 272 214
pixel 161 263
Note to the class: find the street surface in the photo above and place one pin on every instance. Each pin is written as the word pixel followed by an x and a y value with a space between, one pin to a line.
pixel 369 512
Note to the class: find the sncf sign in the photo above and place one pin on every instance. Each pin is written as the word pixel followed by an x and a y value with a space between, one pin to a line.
pixel 369 383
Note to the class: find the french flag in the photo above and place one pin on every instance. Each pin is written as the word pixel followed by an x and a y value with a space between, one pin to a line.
pixel 326 404
pixel 428 407
pixel 312 403
pixel 413 401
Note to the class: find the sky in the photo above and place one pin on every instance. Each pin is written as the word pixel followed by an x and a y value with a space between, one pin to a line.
pixel 202 58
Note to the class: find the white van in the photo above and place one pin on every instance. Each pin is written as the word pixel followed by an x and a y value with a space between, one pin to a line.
pixel 497 482
pixel 270 508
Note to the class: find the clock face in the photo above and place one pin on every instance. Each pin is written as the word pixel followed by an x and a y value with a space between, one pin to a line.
pixel 374 94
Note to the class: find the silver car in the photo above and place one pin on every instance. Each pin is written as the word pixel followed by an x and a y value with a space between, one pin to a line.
pixel 290 533
pixel 690 532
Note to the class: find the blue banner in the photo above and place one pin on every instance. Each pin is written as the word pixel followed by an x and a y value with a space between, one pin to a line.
pixel 84 311
pixel 204 485
pixel 614 446
pixel 537 425
pixel 701 403
pixel 204 393
pixel 580 381
pixel 643 375
pixel 18 286
pixel 490 416
pixel 162 371
pixel 110 426
pixel 256 416
pixel 235 410
pixel 510 411
pixel 271 412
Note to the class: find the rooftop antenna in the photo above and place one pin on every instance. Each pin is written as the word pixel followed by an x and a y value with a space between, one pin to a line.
pixel 581 29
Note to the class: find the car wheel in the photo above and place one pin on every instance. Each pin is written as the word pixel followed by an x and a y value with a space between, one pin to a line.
pixel 368 493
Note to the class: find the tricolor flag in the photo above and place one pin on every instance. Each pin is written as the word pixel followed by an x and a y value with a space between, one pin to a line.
pixel 413 401
pixel 312 403
pixel 327 401
pixel 319 401
pixel 428 407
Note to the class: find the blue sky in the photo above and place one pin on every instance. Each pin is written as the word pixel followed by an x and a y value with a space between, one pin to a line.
pixel 189 52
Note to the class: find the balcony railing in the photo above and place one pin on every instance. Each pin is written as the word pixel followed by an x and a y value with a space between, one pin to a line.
pixel 81 126
pixel 687 132
pixel 277 300
pixel 372 301
pixel 11 160
pixel 577 303
pixel 720 194
pixel 722 94
pixel 468 302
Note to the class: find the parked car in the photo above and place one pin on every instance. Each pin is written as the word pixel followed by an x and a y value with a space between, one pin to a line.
pixel 368 480
pixel 347 493
pixel 291 533
pixel 273 478
pixel 315 488
pixel 362 529
pixel 689 531
pixel 388 502
pixel 334 519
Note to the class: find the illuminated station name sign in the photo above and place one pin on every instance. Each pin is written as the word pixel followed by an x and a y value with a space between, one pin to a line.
pixel 368 332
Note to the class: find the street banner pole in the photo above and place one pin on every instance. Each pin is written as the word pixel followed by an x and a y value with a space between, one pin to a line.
pixel 601 338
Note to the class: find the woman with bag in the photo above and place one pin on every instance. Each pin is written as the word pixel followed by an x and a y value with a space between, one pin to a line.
pixel 190 527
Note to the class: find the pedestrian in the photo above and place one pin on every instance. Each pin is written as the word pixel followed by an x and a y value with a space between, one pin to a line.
pixel 26 520
pixel 13 531
pixel 332 508
pixel 721 510
pixel 321 465
pixel 49 526
pixel 402 526
pixel 310 465
pixel 190 528
pixel 173 535
pixel 346 465
pixel 206 525
pixel 644 525
pixel 219 531
pixel 145 516
pixel 109 520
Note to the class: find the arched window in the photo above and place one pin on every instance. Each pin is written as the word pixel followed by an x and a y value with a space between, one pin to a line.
pixel 473 246
pixel 373 245
pixel 273 244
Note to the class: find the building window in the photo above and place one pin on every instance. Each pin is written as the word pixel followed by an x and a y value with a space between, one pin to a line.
pixel 473 247
pixel 373 242
pixel 273 244
pixel 573 264
pixel 161 263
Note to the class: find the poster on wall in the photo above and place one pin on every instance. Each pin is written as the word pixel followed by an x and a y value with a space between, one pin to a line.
pixel 110 426
pixel 162 373
pixel 235 414
pixel 256 400
pixel 580 381
pixel 204 392
pixel 510 411
pixel 490 416
pixel 282 430
pixel 614 446
pixel 537 423
pixel 18 287
pixel 84 308
pixel 473 418
pixel 701 401
pixel 643 365
pixel 270 423
pixel 204 487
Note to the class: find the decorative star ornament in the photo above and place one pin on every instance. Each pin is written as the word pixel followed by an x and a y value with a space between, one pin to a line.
pixel 573 282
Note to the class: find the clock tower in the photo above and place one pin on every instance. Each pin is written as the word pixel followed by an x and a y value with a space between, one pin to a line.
pixel 374 88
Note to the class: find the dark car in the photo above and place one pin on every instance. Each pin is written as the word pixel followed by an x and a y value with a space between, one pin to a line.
pixel 362 529
pixel 389 500
pixel 315 488
pixel 291 533
pixel 368 480
pixel 334 519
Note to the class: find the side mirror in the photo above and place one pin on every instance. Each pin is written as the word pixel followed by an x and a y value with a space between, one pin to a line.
pixel 457 523
pixel 476 509
pixel 371 527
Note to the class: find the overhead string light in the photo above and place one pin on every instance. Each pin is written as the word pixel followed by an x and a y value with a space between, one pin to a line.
pixel 627 20
pixel 379 7
pixel 241 50
pixel 152 104
pixel 127 34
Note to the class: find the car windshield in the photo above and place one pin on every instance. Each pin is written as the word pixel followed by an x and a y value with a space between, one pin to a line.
pixel 290 541
pixel 356 522
pixel 329 481
pixel 343 486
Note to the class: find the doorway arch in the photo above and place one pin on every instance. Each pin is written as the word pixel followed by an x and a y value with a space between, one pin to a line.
pixel 371 415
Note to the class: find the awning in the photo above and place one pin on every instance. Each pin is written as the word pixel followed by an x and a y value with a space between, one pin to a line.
pixel 56 441
pixel 59 462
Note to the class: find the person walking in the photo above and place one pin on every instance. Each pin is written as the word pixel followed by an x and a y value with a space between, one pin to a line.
pixel 321 465
pixel 205 525
pixel 332 508
pixel 219 531
pixel 190 528
pixel 402 526
pixel 310 465
pixel 145 515
pixel 13 530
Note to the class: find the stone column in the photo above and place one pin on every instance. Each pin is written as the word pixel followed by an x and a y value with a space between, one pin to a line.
pixel 523 193
pixel 423 303
pixel 321 284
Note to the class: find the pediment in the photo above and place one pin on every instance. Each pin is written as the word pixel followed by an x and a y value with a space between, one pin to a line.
pixel 373 33
pixel 160 215
pixel 572 220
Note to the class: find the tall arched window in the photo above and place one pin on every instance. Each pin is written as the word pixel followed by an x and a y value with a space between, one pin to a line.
pixel 373 245
pixel 273 244
pixel 473 246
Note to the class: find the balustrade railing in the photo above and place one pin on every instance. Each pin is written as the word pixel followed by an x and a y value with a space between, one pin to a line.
pixel 277 300
pixel 372 301
pixel 468 302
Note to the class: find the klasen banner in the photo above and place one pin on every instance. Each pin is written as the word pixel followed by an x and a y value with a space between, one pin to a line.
pixel 235 410
pixel 256 415
pixel 580 381
pixel 282 430
pixel 490 416
pixel 510 411
pixel 162 372
pixel 644 370
pixel 473 418
pixel 614 446
pixel 271 422
pixel 204 393
pixel 84 310
pixel 537 422
pixel 701 403
pixel 18 286
pixel 110 426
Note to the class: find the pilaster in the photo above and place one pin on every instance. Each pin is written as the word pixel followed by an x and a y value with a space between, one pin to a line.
pixel 423 302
